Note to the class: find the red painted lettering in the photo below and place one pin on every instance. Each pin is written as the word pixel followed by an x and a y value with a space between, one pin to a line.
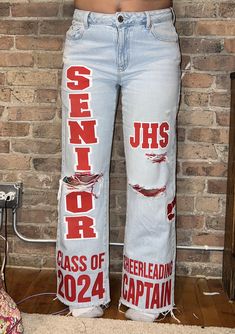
pixel 82 154
pixel 81 227
pixel 79 105
pixel 152 135
pixel 164 127
pixel 79 201
pixel 79 82
pixel 85 131
pixel 135 140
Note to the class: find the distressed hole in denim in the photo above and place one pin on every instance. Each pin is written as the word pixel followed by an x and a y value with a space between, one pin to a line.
pixel 156 158
pixel 149 192
pixel 83 181
pixel 171 209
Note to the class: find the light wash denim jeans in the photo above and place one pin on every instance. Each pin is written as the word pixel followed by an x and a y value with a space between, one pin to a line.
pixel 137 53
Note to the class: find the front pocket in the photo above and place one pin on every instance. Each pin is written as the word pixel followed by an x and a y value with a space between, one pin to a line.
pixel 75 31
pixel 164 31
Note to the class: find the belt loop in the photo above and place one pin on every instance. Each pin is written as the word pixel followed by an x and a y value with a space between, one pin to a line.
pixel 148 22
pixel 173 15
pixel 85 19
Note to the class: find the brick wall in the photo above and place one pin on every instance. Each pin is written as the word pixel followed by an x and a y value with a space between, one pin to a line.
pixel 31 43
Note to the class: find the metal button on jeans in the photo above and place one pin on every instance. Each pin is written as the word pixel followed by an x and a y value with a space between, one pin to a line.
pixel 120 18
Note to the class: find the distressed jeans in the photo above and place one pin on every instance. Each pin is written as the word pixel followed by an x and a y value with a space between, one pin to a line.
pixel 137 53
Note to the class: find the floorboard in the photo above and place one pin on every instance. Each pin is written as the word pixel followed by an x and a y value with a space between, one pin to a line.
pixel 193 306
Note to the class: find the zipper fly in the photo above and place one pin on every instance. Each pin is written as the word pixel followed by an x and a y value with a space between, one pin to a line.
pixel 122 47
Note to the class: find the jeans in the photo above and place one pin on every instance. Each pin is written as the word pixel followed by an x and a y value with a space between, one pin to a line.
pixel 137 53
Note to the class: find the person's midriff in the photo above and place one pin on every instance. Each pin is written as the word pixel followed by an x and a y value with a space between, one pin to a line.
pixel 112 6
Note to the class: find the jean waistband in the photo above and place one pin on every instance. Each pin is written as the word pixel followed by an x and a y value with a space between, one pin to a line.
pixel 119 19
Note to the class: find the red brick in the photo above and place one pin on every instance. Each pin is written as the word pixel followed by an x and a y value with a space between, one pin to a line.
pixel 223 81
pixel 218 28
pixel 1 111
pixel 35 146
pixel 180 132
pixel 229 45
pixel 30 231
pixel 186 61
pixel 46 95
pixel 118 132
pixel 11 27
pixel 197 80
pixel 30 113
pixel 178 168
pixel 208 239
pixel 26 261
pixel 193 10
pixel 49 60
pixel 23 95
pixel 6 42
pixel 215 222
pixel 184 203
pixel 217 186
pixel 192 255
pixel 4 9
pixel 227 9
pixel 207 204
pixel 201 45
pixel 54 27
pixel 196 99
pixel 118 183
pixel 190 186
pixel 222 118
pixel 39 43
pixel 38 78
pixel 117 234
pixel 195 168
pixel 214 63
pixel 184 238
pixel 39 199
pixel 184 28
pixel 32 248
pixel 118 167
pixel 189 222
pixel 219 136
pixel 16 59
pixel 5 94
pixel 10 245
pixel 220 99
pixel 118 150
pixel 37 216
pixel 14 161
pixel 34 9
pixel 12 129
pixel 182 269
pixel 196 151
pixel 53 131
pixel 204 270
pixel 198 118
pixel 68 10
pixel 4 146
pixel 34 180
pixel 49 232
pixel 216 257
pixel 47 164
pixel 2 78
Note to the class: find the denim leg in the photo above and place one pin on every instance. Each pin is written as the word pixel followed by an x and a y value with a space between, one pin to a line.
pixel 150 97
pixel 89 97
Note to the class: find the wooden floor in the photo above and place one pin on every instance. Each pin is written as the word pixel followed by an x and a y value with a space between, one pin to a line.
pixel 195 308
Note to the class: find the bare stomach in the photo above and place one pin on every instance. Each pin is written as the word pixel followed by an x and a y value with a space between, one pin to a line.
pixel 112 6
